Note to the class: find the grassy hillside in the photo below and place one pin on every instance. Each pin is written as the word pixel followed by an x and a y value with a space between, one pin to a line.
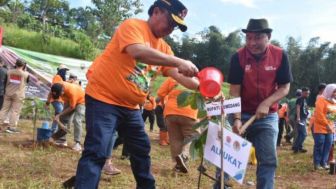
pixel 34 41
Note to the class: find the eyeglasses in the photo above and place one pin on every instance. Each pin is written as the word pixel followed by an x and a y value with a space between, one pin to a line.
pixel 171 22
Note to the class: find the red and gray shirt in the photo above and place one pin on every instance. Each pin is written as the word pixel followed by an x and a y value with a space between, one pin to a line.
pixel 259 77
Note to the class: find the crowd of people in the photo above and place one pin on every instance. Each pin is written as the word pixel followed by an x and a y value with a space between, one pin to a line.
pixel 299 121
pixel 118 100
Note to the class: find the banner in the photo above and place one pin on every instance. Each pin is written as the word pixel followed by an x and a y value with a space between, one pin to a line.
pixel 42 67
pixel 235 154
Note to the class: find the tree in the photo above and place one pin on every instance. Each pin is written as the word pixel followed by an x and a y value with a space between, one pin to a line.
pixel 16 8
pixel 110 13
pixel 3 2
pixel 52 11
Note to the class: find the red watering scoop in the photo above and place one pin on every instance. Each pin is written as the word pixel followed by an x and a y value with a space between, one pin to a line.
pixel 211 80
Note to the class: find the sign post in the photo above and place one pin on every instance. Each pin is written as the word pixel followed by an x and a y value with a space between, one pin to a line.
pixel 222 143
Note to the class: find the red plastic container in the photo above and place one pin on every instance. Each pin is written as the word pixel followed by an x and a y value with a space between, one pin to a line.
pixel 211 80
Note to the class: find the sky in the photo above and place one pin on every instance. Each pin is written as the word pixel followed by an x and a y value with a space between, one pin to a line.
pixel 301 19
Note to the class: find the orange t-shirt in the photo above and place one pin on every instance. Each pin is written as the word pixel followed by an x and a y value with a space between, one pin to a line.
pixel 117 78
pixel 150 104
pixel 282 111
pixel 171 89
pixel 322 108
pixel 55 79
pixel 73 94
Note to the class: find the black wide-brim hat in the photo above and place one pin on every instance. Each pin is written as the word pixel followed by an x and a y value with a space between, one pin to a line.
pixel 257 26
pixel 176 9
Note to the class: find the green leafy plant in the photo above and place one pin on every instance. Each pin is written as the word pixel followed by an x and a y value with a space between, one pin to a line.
pixel 331 116
pixel 195 100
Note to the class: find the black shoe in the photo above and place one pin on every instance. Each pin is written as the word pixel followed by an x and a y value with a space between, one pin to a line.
pixel 125 157
pixel 70 183
pixel 303 150
pixel 181 161
pixel 288 139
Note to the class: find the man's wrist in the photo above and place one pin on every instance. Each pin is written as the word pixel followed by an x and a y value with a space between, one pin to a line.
pixel 236 118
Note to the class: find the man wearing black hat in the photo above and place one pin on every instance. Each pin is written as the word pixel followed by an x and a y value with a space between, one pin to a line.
pixel 118 81
pixel 260 74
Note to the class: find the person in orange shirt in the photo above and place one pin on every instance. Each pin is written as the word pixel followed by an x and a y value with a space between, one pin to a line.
pixel 282 112
pixel 118 82
pixel 321 88
pixel 148 111
pixel 325 112
pixel 57 103
pixel 73 96
pixel 179 121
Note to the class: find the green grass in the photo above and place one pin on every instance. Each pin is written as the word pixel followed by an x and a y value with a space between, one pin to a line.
pixel 34 41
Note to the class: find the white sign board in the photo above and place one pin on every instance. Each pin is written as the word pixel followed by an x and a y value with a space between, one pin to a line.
pixel 236 151
pixel 213 108
pixel 230 106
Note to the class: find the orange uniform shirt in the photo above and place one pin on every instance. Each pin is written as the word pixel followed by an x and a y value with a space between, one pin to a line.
pixel 117 78
pixel 322 108
pixel 282 112
pixel 73 94
pixel 150 104
pixel 172 89
pixel 55 79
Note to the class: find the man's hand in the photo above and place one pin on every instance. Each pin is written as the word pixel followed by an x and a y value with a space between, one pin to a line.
pixel 57 118
pixel 46 105
pixel 187 68
pixel 329 130
pixel 262 110
pixel 237 124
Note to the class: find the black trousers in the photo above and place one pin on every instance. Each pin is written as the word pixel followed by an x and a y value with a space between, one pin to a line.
pixel 151 115
pixel 159 118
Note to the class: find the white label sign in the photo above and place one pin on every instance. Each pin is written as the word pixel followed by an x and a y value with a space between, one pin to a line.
pixel 213 108
pixel 230 106
pixel 235 154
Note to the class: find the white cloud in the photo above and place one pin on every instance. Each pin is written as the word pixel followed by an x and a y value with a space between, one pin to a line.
pixel 247 3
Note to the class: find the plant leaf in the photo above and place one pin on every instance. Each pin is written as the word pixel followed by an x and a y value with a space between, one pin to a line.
pixel 182 99
pixel 200 101
pixel 192 101
pixel 203 123
pixel 201 113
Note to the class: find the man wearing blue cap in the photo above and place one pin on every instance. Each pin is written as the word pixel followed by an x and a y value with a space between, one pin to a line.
pixel 118 81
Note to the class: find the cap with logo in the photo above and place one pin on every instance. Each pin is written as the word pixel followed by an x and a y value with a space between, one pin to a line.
pixel 177 10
